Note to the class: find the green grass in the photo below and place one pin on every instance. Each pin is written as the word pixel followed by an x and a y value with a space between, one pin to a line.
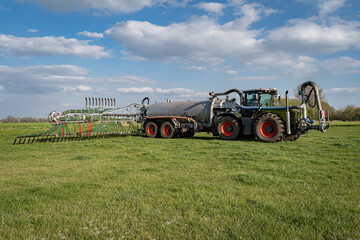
pixel 199 188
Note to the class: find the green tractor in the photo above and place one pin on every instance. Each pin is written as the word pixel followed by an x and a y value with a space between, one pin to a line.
pixel 260 117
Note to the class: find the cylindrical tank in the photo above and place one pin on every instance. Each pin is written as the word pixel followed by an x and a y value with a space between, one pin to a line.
pixel 198 110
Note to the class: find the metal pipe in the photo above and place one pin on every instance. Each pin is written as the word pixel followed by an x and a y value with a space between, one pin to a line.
pixel 228 92
pixel 288 129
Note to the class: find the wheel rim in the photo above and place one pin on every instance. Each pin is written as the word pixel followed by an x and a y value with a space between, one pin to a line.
pixel 268 129
pixel 227 128
pixel 151 130
pixel 167 131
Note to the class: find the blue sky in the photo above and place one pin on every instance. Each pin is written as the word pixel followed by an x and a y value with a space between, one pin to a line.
pixel 54 53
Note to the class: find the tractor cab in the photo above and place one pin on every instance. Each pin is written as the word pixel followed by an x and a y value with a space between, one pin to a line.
pixel 260 97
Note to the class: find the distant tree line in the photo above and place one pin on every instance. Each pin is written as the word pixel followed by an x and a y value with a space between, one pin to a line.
pixel 12 119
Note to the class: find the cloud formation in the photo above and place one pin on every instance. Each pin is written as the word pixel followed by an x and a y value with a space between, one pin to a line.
pixel 204 41
pixel 211 7
pixel 49 46
pixel 43 79
pixel 180 92
pixel 310 37
pixel 32 30
pixel 342 90
pixel 111 6
pixel 47 79
pixel 91 34
pixel 200 40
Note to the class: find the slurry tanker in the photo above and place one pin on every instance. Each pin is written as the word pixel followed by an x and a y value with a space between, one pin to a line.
pixel 254 114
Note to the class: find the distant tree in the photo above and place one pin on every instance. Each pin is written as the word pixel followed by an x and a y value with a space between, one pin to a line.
pixel 11 119
pixel 349 113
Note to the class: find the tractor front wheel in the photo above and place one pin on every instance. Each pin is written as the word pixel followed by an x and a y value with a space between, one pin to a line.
pixel 228 128
pixel 269 128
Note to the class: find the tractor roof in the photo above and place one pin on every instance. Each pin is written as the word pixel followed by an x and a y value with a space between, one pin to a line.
pixel 264 90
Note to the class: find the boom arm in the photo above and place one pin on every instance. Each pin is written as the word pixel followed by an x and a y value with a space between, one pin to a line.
pixel 323 124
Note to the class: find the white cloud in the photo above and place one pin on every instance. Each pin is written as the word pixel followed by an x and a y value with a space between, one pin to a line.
pixel 199 40
pixel 130 79
pixel 33 30
pixel 49 46
pixel 325 7
pixel 211 7
pixel 329 6
pixel 56 78
pixel 341 65
pixel 196 68
pixel 80 88
pixel 252 12
pixel 39 79
pixel 181 92
pixel 253 78
pixel 202 42
pixel 91 34
pixel 308 37
pixel 112 6
pixel 230 72
pixel 136 90
pixel 342 90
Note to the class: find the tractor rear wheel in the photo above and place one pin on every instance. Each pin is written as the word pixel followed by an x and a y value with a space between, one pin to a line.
pixel 269 128
pixel 167 130
pixel 228 128
pixel 151 130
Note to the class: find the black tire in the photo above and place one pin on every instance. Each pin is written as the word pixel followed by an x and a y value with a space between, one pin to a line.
pixel 292 137
pixel 228 128
pixel 151 130
pixel 269 128
pixel 167 130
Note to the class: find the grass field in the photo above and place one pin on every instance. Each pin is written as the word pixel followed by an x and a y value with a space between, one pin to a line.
pixel 199 188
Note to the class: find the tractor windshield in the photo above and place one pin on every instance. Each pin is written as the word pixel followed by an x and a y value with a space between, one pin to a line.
pixel 251 99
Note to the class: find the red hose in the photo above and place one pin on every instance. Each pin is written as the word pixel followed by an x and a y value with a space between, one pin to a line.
pixel 62 130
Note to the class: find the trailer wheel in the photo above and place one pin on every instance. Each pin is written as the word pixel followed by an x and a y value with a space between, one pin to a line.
pixel 151 129
pixel 167 130
pixel 228 128
pixel 269 128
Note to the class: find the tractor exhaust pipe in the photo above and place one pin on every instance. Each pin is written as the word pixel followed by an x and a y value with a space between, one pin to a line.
pixel 288 129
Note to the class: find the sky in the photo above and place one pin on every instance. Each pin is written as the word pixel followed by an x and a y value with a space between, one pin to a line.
pixel 55 53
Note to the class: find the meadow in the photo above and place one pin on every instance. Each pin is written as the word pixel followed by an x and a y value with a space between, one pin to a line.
pixel 199 188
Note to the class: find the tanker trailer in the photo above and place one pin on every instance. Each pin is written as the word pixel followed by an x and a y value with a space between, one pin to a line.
pixel 255 115
pixel 183 119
